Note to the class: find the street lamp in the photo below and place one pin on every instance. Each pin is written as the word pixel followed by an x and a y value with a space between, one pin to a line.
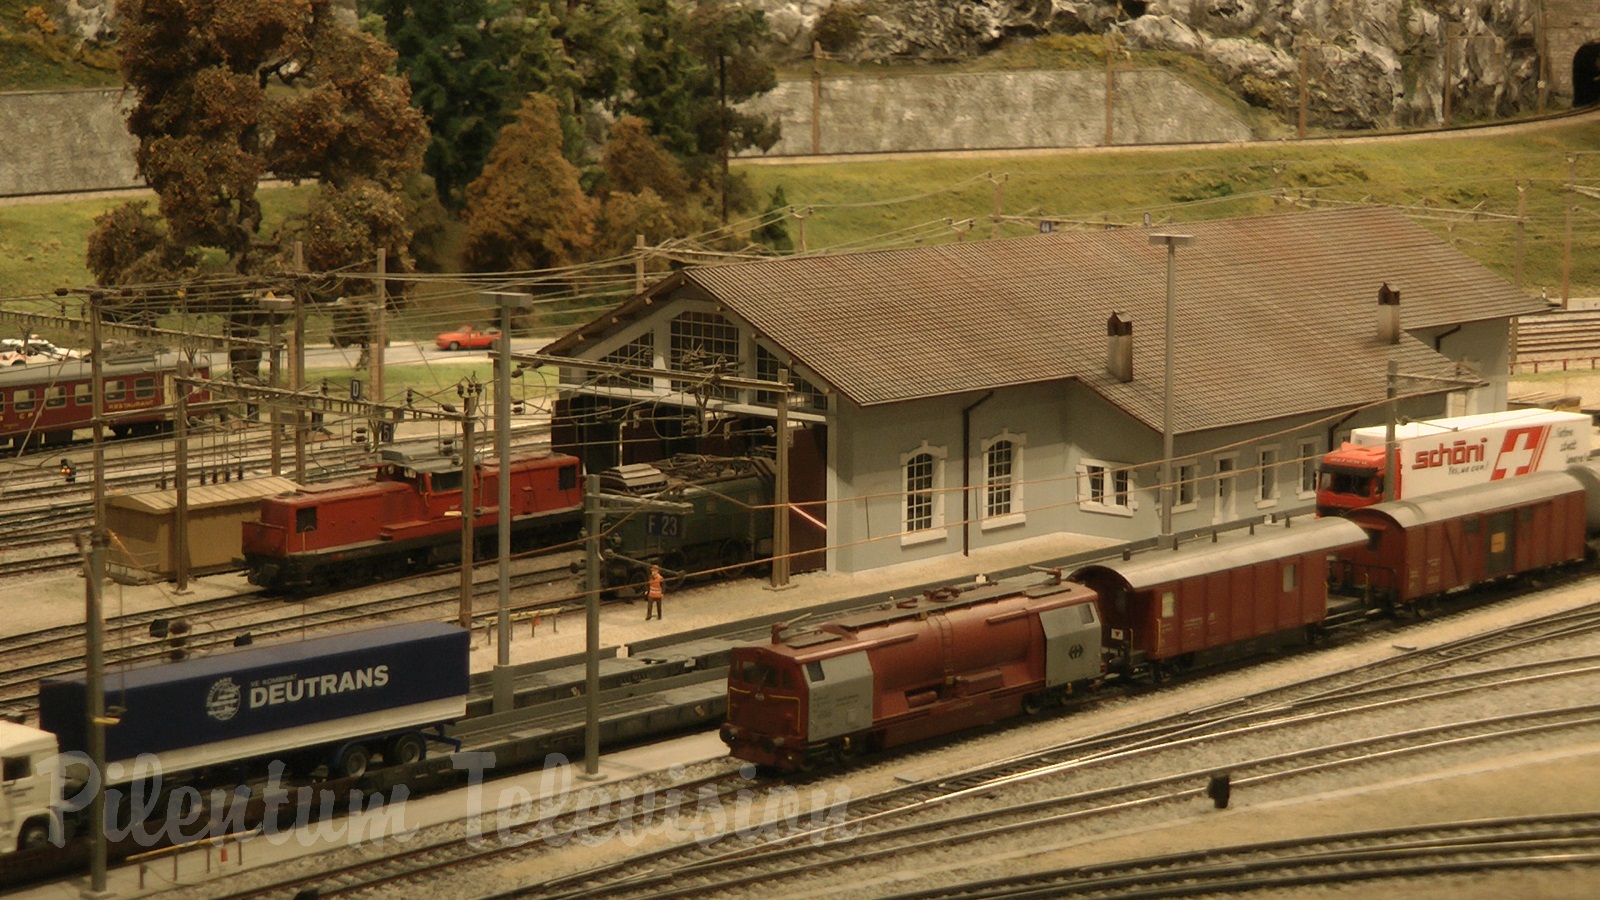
pixel 1172 242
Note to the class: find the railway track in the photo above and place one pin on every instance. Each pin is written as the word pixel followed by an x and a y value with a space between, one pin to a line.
pixel 1086 777
pixel 1559 340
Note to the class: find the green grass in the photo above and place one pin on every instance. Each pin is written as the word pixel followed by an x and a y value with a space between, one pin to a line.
pixel 853 201
pixel 36 55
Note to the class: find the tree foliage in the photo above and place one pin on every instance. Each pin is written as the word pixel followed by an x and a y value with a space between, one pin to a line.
pixel 528 210
pixel 209 128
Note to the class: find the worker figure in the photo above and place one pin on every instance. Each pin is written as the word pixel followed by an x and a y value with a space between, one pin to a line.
pixel 68 472
pixel 652 595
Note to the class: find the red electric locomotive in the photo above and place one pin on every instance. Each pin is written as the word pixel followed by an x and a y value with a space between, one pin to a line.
pixel 42 404
pixel 407 519
pixel 953 659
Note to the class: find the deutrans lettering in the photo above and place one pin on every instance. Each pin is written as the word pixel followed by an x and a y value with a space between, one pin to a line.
pixel 1456 454
pixel 293 688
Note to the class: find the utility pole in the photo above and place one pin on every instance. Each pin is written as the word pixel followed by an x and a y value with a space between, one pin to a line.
pixel 275 308
pixel 816 98
pixel 1449 66
pixel 97 378
pixel 94 686
pixel 379 330
pixel 1172 242
pixel 1522 230
pixel 780 487
pixel 469 499
pixel 1305 67
pixel 180 430
pixel 591 627
pixel 1566 251
pixel 1391 453
pixel 1111 83
pixel 999 195
pixel 298 369
pixel 503 685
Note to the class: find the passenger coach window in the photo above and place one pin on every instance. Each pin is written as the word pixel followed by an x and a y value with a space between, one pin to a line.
pixel 55 398
pixel 144 388
pixel 115 392
pixel 83 395
pixel 26 400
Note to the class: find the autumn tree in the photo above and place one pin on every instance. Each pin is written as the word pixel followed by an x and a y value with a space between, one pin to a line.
pixel 644 191
pixel 528 210
pixel 209 128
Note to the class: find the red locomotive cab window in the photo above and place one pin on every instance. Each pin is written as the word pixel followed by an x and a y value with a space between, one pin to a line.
pixel 305 519
pixel 755 674
pixel 144 388
pixel 567 478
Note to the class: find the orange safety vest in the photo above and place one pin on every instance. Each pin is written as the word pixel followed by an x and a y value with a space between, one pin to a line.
pixel 654 592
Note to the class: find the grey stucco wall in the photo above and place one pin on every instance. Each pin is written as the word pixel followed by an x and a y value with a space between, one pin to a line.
pixel 994 110
pixel 62 141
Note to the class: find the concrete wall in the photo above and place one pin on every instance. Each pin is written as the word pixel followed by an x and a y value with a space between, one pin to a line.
pixel 66 141
pixel 995 110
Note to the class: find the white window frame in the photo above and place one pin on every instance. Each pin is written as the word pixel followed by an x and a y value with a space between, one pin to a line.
pixel 1310 460
pixel 1100 476
pixel 1226 486
pixel 1017 515
pixel 937 530
pixel 1185 478
pixel 1268 491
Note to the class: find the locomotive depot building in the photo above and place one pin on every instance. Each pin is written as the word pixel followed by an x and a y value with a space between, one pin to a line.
pixel 952 397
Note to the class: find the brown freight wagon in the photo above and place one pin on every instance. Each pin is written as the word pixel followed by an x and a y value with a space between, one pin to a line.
pixel 1420 549
pixel 144 528
pixel 1166 610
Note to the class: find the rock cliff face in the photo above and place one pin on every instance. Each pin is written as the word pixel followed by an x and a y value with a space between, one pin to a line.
pixel 1369 63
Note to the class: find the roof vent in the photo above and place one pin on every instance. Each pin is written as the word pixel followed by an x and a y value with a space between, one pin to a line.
pixel 1119 347
pixel 1388 314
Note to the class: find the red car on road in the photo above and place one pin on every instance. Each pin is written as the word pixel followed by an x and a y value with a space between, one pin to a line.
pixel 467 338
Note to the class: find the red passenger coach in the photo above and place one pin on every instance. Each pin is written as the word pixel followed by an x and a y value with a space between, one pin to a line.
pixel 43 404
pixel 923 667
pixel 1422 548
pixel 407 519
pixel 1168 610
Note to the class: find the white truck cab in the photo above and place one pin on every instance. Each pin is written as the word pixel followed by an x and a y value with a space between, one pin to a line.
pixel 28 762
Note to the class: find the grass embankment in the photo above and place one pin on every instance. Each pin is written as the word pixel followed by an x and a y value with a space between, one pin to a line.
pixel 36 55
pixel 864 203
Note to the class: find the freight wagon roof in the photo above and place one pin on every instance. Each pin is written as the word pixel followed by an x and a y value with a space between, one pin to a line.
pixel 1277 314
pixel 1234 551
pixel 1482 498
pixel 204 496
pixel 395 636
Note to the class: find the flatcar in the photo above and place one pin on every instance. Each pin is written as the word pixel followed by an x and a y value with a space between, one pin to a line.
pixel 964 656
pixel 41 405
pixel 406 518
pixel 686 514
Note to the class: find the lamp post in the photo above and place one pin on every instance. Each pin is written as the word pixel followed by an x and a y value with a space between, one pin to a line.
pixel 507 301
pixel 1172 242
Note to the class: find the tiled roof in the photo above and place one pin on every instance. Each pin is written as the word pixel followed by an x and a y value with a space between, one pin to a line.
pixel 1276 314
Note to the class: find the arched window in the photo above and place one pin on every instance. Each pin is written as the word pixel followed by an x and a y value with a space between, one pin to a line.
pixel 922 505
pixel 1001 501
